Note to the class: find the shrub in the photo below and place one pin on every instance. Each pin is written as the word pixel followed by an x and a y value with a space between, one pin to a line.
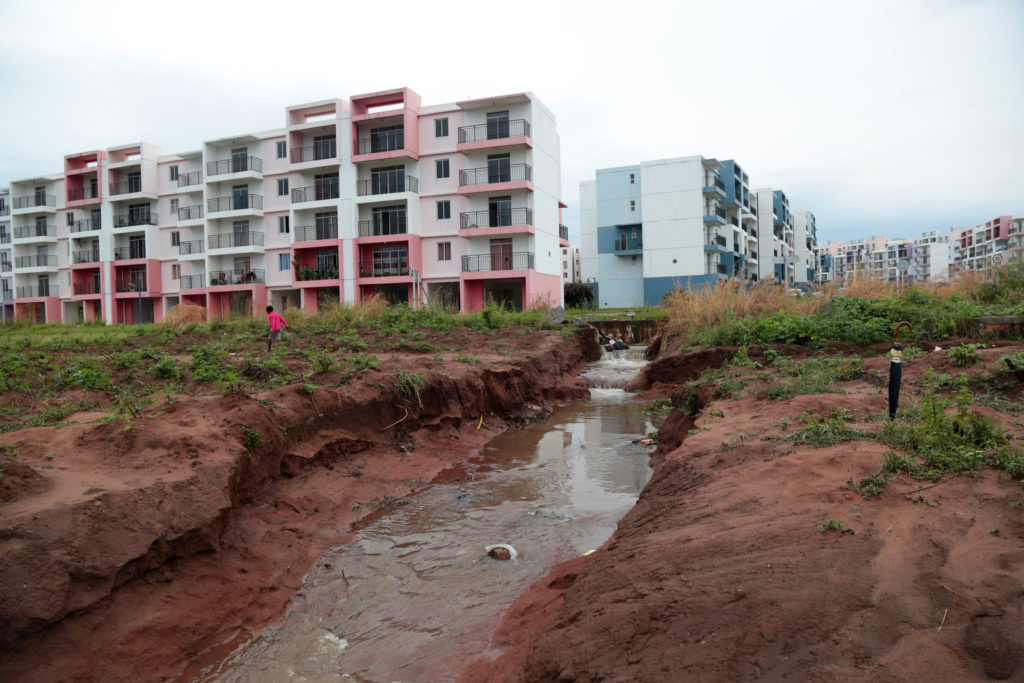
pixel 658 410
pixel 165 368
pixel 965 354
pixel 578 295
pixel 1013 364
pixel 251 438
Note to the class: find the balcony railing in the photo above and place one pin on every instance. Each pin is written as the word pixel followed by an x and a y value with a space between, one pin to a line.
pixel 190 213
pixel 323 150
pixel 127 220
pixel 130 252
pixel 187 179
pixel 495 130
pixel 235 203
pixel 387 184
pixel 36 261
pixel 29 291
pixel 35 200
pixel 325 269
pixel 734 220
pixel 235 165
pixel 5 210
pixel 191 247
pixel 5 266
pixel 497 173
pixel 495 218
pixel 133 283
pixel 327 189
pixel 377 227
pixel 563 232
pixel 78 194
pixel 84 225
pixel 714 181
pixel 752 233
pixel 236 239
pixel 384 142
pixel 86 288
pixel 191 281
pixel 126 186
pixel 237 277
pixel 326 230
pixel 5 237
pixel 715 210
pixel 479 263
pixel 722 269
pixel 625 243
pixel 38 230
pixel 720 240
pixel 388 268
pixel 86 256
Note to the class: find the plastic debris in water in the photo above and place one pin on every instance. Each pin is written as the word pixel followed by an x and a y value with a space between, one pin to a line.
pixel 502 551
pixel 646 442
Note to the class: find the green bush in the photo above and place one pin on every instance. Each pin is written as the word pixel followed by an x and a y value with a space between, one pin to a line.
pixel 965 354
pixel 165 368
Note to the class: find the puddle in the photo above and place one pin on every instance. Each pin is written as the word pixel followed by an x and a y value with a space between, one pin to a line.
pixel 415 596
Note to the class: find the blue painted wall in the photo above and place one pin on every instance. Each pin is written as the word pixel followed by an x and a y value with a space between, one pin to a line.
pixel 608 236
pixel 657 287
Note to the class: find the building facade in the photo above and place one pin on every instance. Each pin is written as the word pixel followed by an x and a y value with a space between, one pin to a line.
pixel 6 259
pixel 984 246
pixel 571 264
pixel 689 222
pixel 377 194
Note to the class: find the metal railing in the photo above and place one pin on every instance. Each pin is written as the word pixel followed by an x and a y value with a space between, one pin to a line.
pixel 327 189
pixel 187 179
pixel 26 231
pixel 753 255
pixel 237 277
pixel 36 261
pixel 715 210
pixel 132 283
pixel 563 231
pixel 85 256
pixel 126 186
pixel 734 220
pixel 78 194
pixel 80 288
pixel 720 240
pixel 323 150
pixel 629 243
pixel 190 247
pixel 127 220
pixel 5 210
pixel 129 252
pixel 327 230
pixel 235 239
pixel 325 269
pixel 714 181
pixel 478 263
pixel 722 269
pixel 495 130
pixel 495 218
pixel 5 237
pixel 752 233
pixel 189 213
pixel 385 268
pixel 191 281
pixel 388 141
pixel 84 225
pixel 5 266
pixel 377 227
pixel 386 184
pixel 35 200
pixel 233 203
pixel 234 165
pixel 30 291
pixel 497 173
pixel 752 210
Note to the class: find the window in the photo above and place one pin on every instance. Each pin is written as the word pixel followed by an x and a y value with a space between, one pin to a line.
pixel 71 218
pixel 632 205
pixel 284 261
pixel 632 178
pixel 444 251
pixel 282 224
pixel 174 172
pixel 440 128
pixel 175 270
pixel 175 238
pixel 174 206
pixel 282 187
pixel 444 210
pixel 443 168
pixel 282 150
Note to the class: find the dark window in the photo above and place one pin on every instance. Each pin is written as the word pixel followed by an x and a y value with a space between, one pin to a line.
pixel 282 150
pixel 443 168
pixel 444 209
pixel 284 261
pixel 282 187
pixel 282 224
pixel 444 251
pixel 71 218
pixel 174 172
pixel 440 128
pixel 175 238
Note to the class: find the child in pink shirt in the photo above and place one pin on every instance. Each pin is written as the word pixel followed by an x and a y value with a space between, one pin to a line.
pixel 275 326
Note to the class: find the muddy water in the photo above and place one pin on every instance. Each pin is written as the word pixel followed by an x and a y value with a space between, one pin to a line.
pixel 415 595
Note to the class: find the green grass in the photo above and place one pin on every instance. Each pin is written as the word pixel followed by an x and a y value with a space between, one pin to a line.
pixel 821 431
pixel 814 375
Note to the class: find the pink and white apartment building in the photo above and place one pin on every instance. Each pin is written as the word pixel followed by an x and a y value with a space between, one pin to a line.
pixel 455 202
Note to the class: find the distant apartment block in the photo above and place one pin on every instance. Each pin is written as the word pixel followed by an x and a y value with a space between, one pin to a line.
pixel 350 198
pixel 689 222
pixel 571 264
pixel 994 243
pixel 6 259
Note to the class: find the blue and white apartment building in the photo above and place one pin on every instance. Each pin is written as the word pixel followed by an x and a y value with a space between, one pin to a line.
pixel 689 222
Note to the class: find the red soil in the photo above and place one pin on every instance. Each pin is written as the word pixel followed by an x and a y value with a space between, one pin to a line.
pixel 720 573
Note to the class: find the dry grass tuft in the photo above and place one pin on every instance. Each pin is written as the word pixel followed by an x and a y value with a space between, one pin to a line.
pixel 341 316
pixel 542 303
pixel 731 300
pixel 183 314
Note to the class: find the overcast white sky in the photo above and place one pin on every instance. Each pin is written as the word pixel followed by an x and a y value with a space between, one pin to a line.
pixel 883 118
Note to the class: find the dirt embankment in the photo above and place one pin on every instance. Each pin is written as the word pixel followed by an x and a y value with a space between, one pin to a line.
pixel 128 548
pixel 720 571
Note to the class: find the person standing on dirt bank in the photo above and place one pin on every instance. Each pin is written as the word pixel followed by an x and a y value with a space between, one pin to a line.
pixel 276 320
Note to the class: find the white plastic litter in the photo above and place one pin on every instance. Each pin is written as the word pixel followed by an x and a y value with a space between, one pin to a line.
pixel 511 551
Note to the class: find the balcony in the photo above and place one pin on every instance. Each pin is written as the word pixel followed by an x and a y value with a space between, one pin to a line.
pixel 33 291
pixel 629 246
pixel 324 151
pixel 190 247
pixel 86 256
pixel 34 200
pixel 192 281
pixel 81 194
pixel 379 227
pixel 126 186
pixel 190 179
pixel 238 277
pixel 714 185
pixel 233 240
pixel 326 269
pixel 128 253
pixel 390 268
pixel 84 225
pixel 388 141
pixel 715 242
pixel 316 193
pixel 244 202
pixel 84 288
pixel 5 237
pixel 717 215
pixel 5 266
pixel 134 218
pixel 325 230
pixel 5 210
pixel 36 261
pixel 25 232
pixel 498 133
pixel 496 218
pixel 387 185
pixel 495 174
pixel 234 165
pixel 483 263
pixel 734 220
pixel 563 232
pixel 190 213
pixel 133 283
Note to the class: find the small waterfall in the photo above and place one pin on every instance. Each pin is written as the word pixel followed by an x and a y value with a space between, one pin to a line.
pixel 616 368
